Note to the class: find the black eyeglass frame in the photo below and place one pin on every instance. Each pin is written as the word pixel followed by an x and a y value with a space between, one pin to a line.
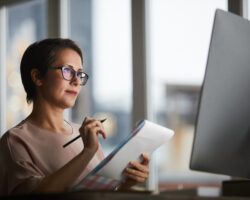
pixel 85 77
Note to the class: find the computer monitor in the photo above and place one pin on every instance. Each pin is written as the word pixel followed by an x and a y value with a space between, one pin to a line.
pixel 222 133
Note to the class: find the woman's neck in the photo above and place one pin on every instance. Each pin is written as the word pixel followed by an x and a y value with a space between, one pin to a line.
pixel 48 117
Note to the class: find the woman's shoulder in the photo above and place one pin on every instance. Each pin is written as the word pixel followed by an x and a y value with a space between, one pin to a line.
pixel 20 129
pixel 16 138
pixel 16 130
pixel 12 139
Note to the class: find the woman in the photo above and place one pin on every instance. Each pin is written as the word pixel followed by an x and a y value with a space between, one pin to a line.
pixel 32 158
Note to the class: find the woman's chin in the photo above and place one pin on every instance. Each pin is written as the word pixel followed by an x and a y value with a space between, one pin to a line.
pixel 68 104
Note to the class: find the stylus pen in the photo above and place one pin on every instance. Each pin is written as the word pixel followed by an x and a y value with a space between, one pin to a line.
pixel 102 120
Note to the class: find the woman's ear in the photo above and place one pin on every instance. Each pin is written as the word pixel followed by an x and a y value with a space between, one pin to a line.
pixel 36 77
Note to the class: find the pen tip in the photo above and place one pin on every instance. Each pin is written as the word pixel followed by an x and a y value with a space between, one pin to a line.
pixel 103 120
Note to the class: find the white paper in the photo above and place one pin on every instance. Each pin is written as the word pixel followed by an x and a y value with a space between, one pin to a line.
pixel 146 140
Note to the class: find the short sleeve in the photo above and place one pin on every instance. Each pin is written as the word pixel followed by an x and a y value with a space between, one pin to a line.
pixel 20 175
pixel 24 178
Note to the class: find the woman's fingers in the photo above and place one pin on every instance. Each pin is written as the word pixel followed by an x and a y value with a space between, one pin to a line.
pixel 87 121
pixel 89 130
pixel 136 172
pixel 102 132
pixel 135 177
pixel 90 124
pixel 139 166
pixel 145 158
pixel 92 127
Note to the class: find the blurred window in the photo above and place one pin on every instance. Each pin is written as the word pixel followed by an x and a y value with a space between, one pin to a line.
pixel 26 23
pixel 104 33
pixel 180 33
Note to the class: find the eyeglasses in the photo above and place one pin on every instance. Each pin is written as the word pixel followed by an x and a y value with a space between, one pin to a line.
pixel 69 73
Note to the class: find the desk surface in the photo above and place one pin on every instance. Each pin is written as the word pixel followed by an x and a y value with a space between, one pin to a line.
pixel 105 195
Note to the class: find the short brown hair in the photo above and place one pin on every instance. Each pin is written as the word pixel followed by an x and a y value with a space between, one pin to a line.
pixel 40 55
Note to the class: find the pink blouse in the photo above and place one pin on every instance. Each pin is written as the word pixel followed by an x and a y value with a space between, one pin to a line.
pixel 28 153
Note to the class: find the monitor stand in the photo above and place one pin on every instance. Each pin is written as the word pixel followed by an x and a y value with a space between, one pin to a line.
pixel 236 188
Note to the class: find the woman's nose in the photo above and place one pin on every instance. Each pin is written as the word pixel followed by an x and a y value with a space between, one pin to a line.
pixel 76 80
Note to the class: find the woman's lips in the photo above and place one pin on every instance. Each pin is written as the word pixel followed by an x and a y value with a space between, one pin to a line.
pixel 71 92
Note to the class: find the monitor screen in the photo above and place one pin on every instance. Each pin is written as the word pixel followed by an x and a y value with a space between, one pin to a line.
pixel 222 133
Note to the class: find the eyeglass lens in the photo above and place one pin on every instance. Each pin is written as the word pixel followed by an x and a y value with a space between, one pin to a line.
pixel 69 74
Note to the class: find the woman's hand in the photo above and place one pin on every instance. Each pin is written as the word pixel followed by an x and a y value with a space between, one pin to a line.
pixel 136 172
pixel 89 131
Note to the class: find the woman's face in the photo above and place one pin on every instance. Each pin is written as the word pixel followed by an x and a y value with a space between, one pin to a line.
pixel 55 89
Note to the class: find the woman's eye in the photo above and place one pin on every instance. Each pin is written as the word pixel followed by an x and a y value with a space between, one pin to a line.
pixel 67 70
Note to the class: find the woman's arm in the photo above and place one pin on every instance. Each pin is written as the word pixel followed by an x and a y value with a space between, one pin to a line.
pixel 62 179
